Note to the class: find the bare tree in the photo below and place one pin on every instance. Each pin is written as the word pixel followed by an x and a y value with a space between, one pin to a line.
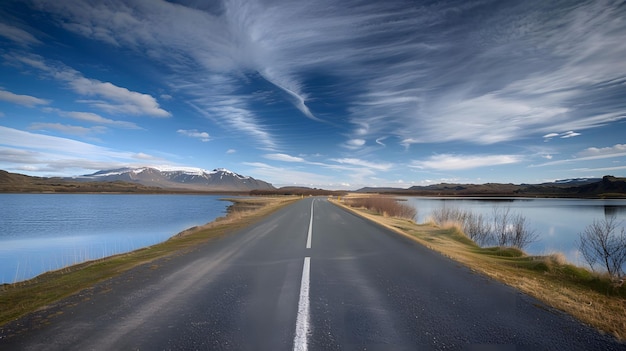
pixel 601 243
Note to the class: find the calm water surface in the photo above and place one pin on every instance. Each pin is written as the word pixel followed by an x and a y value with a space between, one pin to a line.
pixel 42 232
pixel 557 221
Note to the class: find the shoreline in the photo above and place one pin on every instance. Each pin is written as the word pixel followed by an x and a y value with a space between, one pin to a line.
pixel 49 232
pixel 588 297
pixel 20 298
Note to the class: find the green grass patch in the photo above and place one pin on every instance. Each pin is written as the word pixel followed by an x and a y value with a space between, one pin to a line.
pixel 501 251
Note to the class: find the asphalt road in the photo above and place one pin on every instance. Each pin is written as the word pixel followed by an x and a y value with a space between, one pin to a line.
pixel 311 276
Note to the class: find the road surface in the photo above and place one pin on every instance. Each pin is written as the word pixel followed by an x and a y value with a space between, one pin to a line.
pixel 312 276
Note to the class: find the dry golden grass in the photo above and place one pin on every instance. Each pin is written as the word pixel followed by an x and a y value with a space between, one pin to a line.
pixel 24 297
pixel 591 298
pixel 385 205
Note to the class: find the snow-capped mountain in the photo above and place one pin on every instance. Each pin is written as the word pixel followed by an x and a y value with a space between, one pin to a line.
pixel 219 179
pixel 577 181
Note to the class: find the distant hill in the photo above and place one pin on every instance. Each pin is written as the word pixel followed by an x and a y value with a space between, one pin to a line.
pixel 219 179
pixel 19 183
pixel 145 179
pixel 299 191
pixel 607 186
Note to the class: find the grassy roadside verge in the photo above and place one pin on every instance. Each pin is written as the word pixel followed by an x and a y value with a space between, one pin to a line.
pixel 21 298
pixel 574 290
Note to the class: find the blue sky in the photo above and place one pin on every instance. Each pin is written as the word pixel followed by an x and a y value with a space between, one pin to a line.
pixel 331 94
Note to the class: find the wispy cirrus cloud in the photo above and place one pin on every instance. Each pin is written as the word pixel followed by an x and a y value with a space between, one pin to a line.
pixel 450 162
pixel 616 150
pixel 232 113
pixel 286 176
pixel 194 133
pixel 67 129
pixel 91 117
pixel 117 99
pixel 283 157
pixel 110 97
pixel 96 118
pixel 55 155
pixel 354 144
pixel 555 63
pixel 382 166
pixel 589 154
pixel 424 91
pixel 17 35
pixel 600 169
pixel 569 134
pixel 24 100
pixel 566 135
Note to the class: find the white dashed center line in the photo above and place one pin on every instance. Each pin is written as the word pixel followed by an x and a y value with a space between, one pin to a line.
pixel 302 321
pixel 308 238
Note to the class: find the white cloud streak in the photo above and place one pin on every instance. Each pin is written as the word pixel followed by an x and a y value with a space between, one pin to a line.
pixel 590 154
pixel 286 176
pixel 24 100
pixel 449 162
pixel 112 98
pixel 283 158
pixel 55 155
pixel 616 150
pixel 17 35
pixel 67 129
pixel 566 135
pixel 95 118
pixel 194 133
pixel 117 99
pixel 362 163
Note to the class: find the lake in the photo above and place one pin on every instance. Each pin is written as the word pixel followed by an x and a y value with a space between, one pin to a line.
pixel 43 232
pixel 557 221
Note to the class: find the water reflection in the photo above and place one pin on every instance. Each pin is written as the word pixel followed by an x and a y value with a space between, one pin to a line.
pixel 557 221
pixel 613 210
pixel 42 232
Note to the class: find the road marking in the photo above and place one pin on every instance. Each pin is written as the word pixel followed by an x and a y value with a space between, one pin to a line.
pixel 302 321
pixel 308 238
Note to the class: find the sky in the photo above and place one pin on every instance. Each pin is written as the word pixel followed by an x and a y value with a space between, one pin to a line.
pixel 328 94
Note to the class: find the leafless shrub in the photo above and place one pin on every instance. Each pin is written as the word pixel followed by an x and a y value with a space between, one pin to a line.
pixel 503 229
pixel 500 229
pixel 477 228
pixel 520 234
pixel 511 229
pixel 558 258
pixel 384 205
pixel 601 244
pixel 446 214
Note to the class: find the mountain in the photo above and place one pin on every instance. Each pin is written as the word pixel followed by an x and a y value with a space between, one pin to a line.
pixel 19 183
pixel 576 181
pixel 219 179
